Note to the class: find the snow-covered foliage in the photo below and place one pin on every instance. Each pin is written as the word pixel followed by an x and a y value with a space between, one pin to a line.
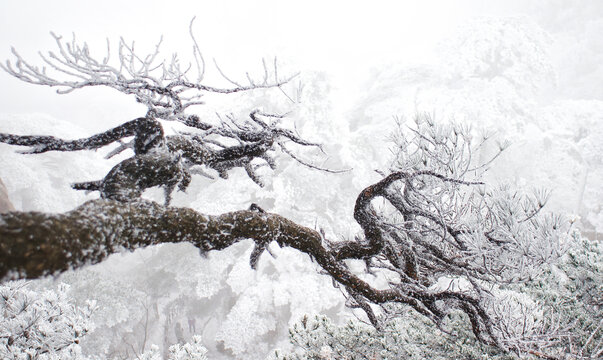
pixel 512 238
pixel 458 238
pixel 566 298
pixel 167 294
pixel 502 74
pixel 47 325
pixel 406 337
pixel 41 325
pixel 193 350
pixel 142 307
pixel 571 296
pixel 493 73
pixel 147 293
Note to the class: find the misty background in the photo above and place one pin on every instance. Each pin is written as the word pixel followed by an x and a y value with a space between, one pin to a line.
pixel 530 71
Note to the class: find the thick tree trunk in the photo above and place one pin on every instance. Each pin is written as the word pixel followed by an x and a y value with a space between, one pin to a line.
pixel 36 244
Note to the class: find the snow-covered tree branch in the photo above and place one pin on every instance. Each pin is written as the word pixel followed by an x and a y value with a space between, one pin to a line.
pixel 166 87
pixel 451 247
pixel 218 144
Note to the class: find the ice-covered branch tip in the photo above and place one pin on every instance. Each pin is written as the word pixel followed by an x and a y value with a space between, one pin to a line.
pixel 164 86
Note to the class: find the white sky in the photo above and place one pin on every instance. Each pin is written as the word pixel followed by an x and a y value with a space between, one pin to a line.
pixel 344 38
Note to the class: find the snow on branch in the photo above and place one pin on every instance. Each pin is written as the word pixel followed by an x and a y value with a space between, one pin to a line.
pixel 165 86
pixel 168 89
pixel 446 241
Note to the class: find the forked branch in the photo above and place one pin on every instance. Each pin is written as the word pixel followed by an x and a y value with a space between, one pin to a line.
pixel 165 87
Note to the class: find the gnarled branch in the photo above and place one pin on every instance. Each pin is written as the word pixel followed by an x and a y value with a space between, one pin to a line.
pixel 35 244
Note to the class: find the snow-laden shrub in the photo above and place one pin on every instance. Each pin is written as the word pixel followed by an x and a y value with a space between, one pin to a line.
pixel 40 325
pixel 47 326
pixel 193 350
pixel 565 300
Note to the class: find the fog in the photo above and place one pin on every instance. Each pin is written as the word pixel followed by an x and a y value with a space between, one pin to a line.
pixel 530 71
pixel 346 39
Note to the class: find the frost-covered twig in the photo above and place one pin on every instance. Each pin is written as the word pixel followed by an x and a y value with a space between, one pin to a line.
pixel 165 87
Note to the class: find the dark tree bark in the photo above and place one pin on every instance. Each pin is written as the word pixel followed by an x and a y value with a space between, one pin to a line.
pixel 427 240
pixel 430 244
pixel 165 161
pixel 37 244
pixel 148 134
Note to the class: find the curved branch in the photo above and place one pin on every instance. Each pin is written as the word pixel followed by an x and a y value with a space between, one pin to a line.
pixel 148 134
pixel 36 244
pixel 366 217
